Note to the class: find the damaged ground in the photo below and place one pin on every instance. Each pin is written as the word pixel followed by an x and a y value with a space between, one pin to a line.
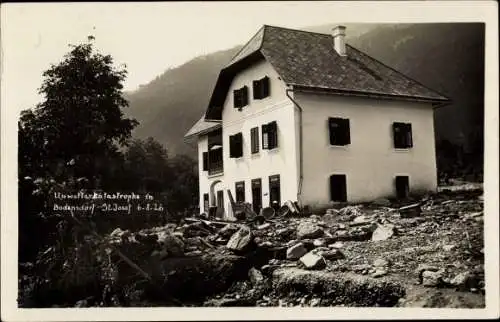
pixel 425 252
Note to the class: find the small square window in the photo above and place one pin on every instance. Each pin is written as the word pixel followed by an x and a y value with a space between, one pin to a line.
pixel 236 145
pixel 261 88
pixel 240 97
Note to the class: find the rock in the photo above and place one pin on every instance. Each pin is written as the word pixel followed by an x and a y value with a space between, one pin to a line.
pixel 118 232
pixel 173 245
pixel 332 211
pixel 337 245
pixel 379 272
pixel 331 254
pixel 383 232
pixel 361 219
pixel 315 302
pixel 264 226
pixel 329 219
pixel 241 241
pixel 308 229
pixel 448 248
pixel 313 261
pixel 319 242
pixel 384 202
pixel 296 251
pixel 255 276
pixel 228 231
pixel 381 262
pixel 424 267
pixel 465 281
pixel 432 279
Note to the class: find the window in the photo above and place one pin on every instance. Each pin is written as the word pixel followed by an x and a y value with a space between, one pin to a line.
pixel 205 161
pixel 256 195
pixel 240 191
pixel 339 131
pixel 220 200
pixel 402 186
pixel 338 188
pixel 270 135
pixel 240 97
pixel 274 192
pixel 261 88
pixel 205 203
pixel 402 135
pixel 236 145
pixel 254 138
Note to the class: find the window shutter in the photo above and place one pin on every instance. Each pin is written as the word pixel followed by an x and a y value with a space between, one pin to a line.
pixel 273 135
pixel 239 144
pixel 244 93
pixel 236 102
pixel 395 131
pixel 254 137
pixel 205 161
pixel 409 137
pixel 231 146
pixel 265 87
pixel 347 132
pixel 265 136
pixel 256 89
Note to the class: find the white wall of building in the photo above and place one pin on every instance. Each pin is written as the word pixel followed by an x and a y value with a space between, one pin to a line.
pixel 282 160
pixel 370 162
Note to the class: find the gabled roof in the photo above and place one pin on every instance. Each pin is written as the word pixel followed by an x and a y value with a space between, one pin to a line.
pixel 308 60
pixel 202 127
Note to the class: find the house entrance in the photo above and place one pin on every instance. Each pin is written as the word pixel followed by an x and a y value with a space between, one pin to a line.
pixel 402 187
pixel 256 195
pixel 274 192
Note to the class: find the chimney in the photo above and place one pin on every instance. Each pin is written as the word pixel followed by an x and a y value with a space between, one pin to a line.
pixel 338 34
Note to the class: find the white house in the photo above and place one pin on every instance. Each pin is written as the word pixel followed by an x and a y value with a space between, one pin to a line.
pixel 303 116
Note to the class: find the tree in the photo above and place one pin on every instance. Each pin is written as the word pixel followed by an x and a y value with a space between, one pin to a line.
pixel 79 124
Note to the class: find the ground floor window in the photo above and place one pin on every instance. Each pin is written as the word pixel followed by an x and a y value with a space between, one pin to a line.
pixel 338 187
pixel 240 191
pixel 402 184
pixel 274 191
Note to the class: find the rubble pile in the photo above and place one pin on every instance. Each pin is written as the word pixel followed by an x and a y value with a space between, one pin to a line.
pixel 362 255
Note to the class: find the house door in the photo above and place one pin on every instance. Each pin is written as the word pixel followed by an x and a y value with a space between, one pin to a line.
pixel 274 192
pixel 256 195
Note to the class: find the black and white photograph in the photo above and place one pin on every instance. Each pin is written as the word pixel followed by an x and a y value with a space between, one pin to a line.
pixel 226 156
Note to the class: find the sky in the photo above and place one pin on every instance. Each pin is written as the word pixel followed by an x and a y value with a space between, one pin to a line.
pixel 151 37
pixel 148 37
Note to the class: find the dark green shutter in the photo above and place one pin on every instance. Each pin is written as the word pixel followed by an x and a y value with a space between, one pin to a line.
pixel 205 161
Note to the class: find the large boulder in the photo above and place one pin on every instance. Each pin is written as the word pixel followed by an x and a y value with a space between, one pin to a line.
pixel 307 229
pixel 241 241
pixel 383 232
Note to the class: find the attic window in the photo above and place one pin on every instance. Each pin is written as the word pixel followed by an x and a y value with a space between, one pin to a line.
pixel 339 131
pixel 261 88
pixel 270 135
pixel 236 145
pixel 240 97
pixel 402 135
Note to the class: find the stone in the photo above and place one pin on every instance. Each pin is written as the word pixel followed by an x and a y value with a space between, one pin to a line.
pixel 331 254
pixel 465 281
pixel 296 251
pixel 118 232
pixel 424 267
pixel 255 276
pixel 284 232
pixel 448 248
pixel 308 229
pixel 329 219
pixel 228 231
pixel 313 261
pixel 379 273
pixel 337 245
pixel 432 279
pixel 383 232
pixel 381 262
pixel 241 241
pixel 264 226
pixel 319 242
pixel 361 219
